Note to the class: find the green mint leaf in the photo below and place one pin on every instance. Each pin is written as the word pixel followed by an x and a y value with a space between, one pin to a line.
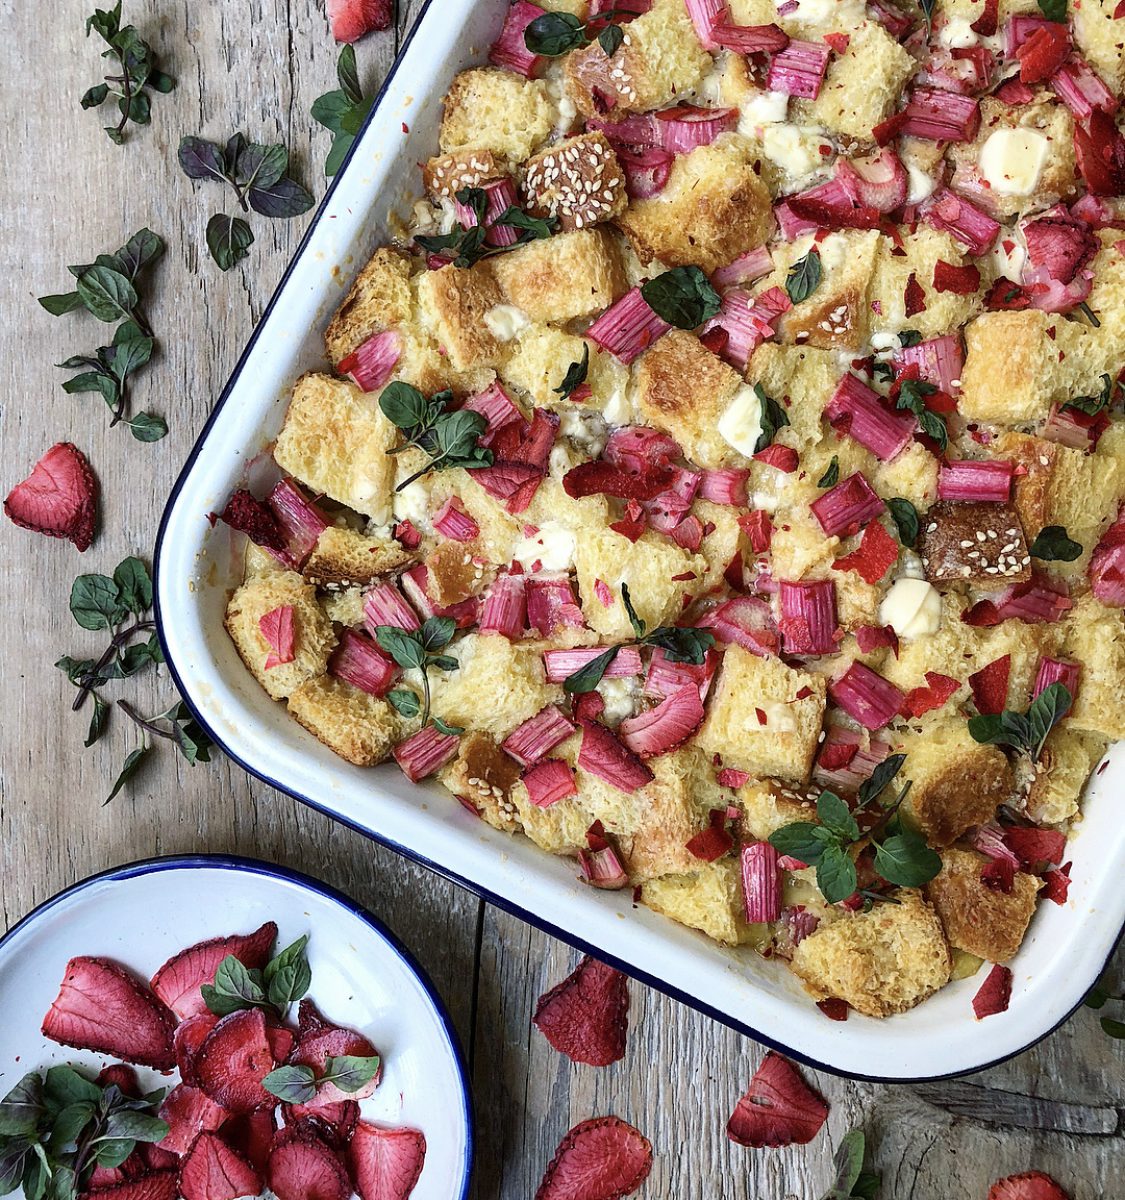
pixel 404 701
pixel 354 118
pixel 284 198
pixel 76 668
pixel 874 785
pixel 64 1085
pixel 351 1072
pixel 142 248
pixel 61 304
pixel 1114 1029
pixel 575 375
pixel 449 730
pixel 533 227
pixel 1046 711
pixel 801 840
pixel 12 1161
pixel 927 7
pixel 986 729
pixel 836 817
pixel 848 1161
pixel 587 678
pixel 261 166
pixel 22 1108
pixel 94 96
pixel 457 433
pixel 774 418
pixel 906 520
pixel 95 602
pixel 147 427
pixel 404 647
pixel 906 860
pixel 1053 545
pixel 437 632
pixel 68 1125
pixel 97 721
pixel 234 987
pixel 134 585
pixel 193 742
pixel 831 477
pixel 682 296
pixel 200 159
pixel 404 406
pixel 291 1085
pixel 610 39
pixel 804 276
pixel 138 108
pixel 135 1125
pixel 107 294
pixel 909 337
pixel 341 144
pixel 330 109
pixel 554 34
pixel 1092 405
pixel 228 239
pixel 836 875
pixel 160 81
pixel 867 1186
pixel 129 355
pixel 682 644
pixel 636 622
pixel 287 976
pixel 229 155
pixel 475 199
pixel 1053 10
pixel 114 134
pixel 105 22
pixel 347 74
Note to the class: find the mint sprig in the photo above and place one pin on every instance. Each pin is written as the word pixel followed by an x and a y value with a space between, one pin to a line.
pixel 557 33
pixel 466 247
pixel 418 650
pixel 343 111
pixel 912 397
pixel 1025 732
pixel 451 437
pixel 283 981
pixel 137 70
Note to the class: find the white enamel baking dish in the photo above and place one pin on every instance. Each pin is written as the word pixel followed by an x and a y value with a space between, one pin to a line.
pixel 1066 948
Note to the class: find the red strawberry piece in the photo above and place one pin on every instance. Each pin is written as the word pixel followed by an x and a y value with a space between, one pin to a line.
pixel 122 1077
pixel 834 1008
pixel 156 1159
pixel 213 1171
pixel 988 22
pixel 962 281
pixel 281 1040
pixel 712 843
pixel 59 497
pixel 603 478
pixel 102 1007
pixel 252 1134
pixel 1044 52
pixel 780 1109
pixel 994 994
pixel 586 1016
pixel 1006 296
pixel 921 700
pixel 873 558
pixel 990 686
pixel 132 1168
pixel 982 615
pixel 302 1166
pixel 914 297
pixel 1036 848
pixel 318 1040
pixel 601 1159
pixel 1057 884
pixel 353 19
pixel 781 458
pixel 234 1059
pixel 255 519
pixel 1031 1185
pixel 334 1122
pixel 1100 150
pixel 189 1112
pixel 156 1185
pixel 178 982
pixel 189 1036
pixel 385 1163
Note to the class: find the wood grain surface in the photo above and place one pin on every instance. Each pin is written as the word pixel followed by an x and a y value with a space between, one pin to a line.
pixel 66 194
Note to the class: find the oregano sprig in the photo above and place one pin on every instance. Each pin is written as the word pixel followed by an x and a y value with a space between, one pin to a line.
pixel 557 33
pixel 418 650
pixel 342 111
pixel 137 70
pixel 1024 732
pixel 1111 392
pixel 682 296
pixel 274 987
pixel 451 437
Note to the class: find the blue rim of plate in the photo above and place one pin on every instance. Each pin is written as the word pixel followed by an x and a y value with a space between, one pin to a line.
pixel 255 866
pixel 501 902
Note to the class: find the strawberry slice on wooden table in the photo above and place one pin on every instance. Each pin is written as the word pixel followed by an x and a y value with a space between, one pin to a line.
pixel 353 19
pixel 586 1017
pixel 604 1158
pixel 385 1164
pixel 779 1109
pixel 1031 1185
pixel 213 1171
pixel 59 498
pixel 179 980
pixel 102 1007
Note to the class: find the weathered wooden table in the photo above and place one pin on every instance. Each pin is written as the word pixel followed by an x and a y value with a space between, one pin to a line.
pixel 66 194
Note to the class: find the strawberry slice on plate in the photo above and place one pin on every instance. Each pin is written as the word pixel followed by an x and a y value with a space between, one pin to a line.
pixel 319 1040
pixel 59 497
pixel 156 1185
pixel 213 1171
pixel 234 1059
pixel 1031 1185
pixel 779 1109
pixel 334 1122
pixel 586 1017
pixel 179 980
pixel 385 1163
pixel 353 19
pixel 102 1007
pixel 303 1166
pixel 601 1159
pixel 189 1112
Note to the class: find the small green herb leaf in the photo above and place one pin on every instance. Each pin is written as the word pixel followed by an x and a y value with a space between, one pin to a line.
pixel 876 783
pixel 831 477
pixel 804 276
pixel 906 520
pixel 554 34
pixel 287 977
pixel 836 874
pixel 1053 10
pixel 587 678
pixel 351 1072
pixel 292 1084
pixel 906 860
pixel 228 239
pixel 1053 545
pixel 774 417
pixel 575 376
pixel 95 602
pixel 130 768
pixel 682 296
pixel 405 702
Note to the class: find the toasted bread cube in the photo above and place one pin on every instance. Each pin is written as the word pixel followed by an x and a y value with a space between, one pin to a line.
pixel 785 745
pixel 487 108
pixel 454 304
pixel 976 918
pixel 768 804
pixel 381 298
pixel 511 676
pixel 956 782
pixel 1107 302
pixel 343 558
pixel 802 379
pixel 982 544
pixel 683 390
pixel 579 181
pixel 448 174
pixel 1017 364
pixel 722 544
pixel 1097 33
pixel 913 475
pixel 313 637
pixel 944 310
pixel 563 277
pixel 799 548
pixel 345 607
pixel 356 726
pixel 559 828
pixel 659 59
pixel 335 441
pixel 1048 118
pixel 836 315
pixel 647 567
pixel 709 899
pixel 1096 639
pixel 484 775
pixel 1068 758
pixel 1024 645
pixel 257 561
pixel 714 208
pixel 541 359
pixel 861 86
pixel 454 572
pixel 881 962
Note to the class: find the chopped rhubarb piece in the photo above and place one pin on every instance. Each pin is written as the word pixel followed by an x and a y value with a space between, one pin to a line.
pixel 705 15
pixel 407 535
pixel 746 621
pixel 847 507
pixel 1036 848
pixel 371 364
pixel 1057 670
pixel 750 39
pixel 808 616
pixel 601 868
pixel 560 664
pixel 663 728
pixel 761 882
pixel 301 523
pixel 994 994
pixel 893 20
pixel 830 205
pixel 747 321
pixel 866 696
pixel 505 607
pixel 725 485
pixel 510 49
pixel 1074 428
pixel 500 195
pixel 939 361
pixel 983 481
pixel 1107 566
pixel 956 216
pixel 921 700
pixel 758 529
pixel 600 1159
pixel 1044 51
pixel 384 605
pixel 849 775
pixel 1056 885
pixel 665 677
pixel 798 70
pixel 1029 1185
pixel 641 450
pixel 549 781
pixel 1100 150
pixel 860 412
pixel 495 405
pixel 602 755
pixel 1040 599
pixel 413 582
pixel 878 181
pixel 941 116
pixel 538 736
pixel 1018 29
pixel 961 281
pixel 680 130
pixel 781 458
pixel 278 630
pixel 551 605
pixel 1006 296
pixel 874 637
pixel 745 269
pixel 729 777
pixel 989 686
pixel 359 661
pixel 873 558
pixel 452 521
pixel 1012 92
pixel 1081 89
pixel 779 1109
pixel 628 328
pixel 424 752
pixel 586 1017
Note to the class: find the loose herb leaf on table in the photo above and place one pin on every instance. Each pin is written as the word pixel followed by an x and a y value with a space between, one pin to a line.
pixel 852 1182
pixel 343 111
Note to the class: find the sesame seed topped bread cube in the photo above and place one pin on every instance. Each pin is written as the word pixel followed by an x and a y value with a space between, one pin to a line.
pixel 345 557
pixel 360 728
pixel 489 109
pixel 484 776
pixel 448 174
pixel 579 181
pixel 978 543
pixel 563 277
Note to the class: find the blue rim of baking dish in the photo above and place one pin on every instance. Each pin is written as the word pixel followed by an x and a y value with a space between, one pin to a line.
pixel 255 866
pixel 480 890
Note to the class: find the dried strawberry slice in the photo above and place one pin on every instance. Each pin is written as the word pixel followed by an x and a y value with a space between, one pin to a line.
pixel 586 1017
pixel 1036 848
pixel 1044 52
pixel 873 558
pixel 255 519
pixel 189 1112
pixel 156 1185
pixel 319 1040
pixel 987 23
pixel 179 980
pixel 121 1077
pixel 961 281
pixel 921 700
pixel 1031 1185
pixel 353 19
pixel 59 497
pixel 779 1109
pixel 601 1159
pixel 385 1163
pixel 1006 296
pixel 189 1036
pixel 213 1171
pixel 603 478
pixel 914 296
pixel 102 1007
pixel 1100 150
pixel 302 1166
pixel 990 686
pixel 234 1059
pixel 252 1134
pixel 994 994
pixel 334 1122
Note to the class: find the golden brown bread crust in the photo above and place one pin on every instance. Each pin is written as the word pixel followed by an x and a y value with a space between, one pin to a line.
pixel 360 728
pixel 453 573
pixel 447 174
pixel 484 775
pixel 344 558
pixel 379 299
pixel 709 898
pixel 454 303
pixel 578 180
pixel 965 542
pixel 490 109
